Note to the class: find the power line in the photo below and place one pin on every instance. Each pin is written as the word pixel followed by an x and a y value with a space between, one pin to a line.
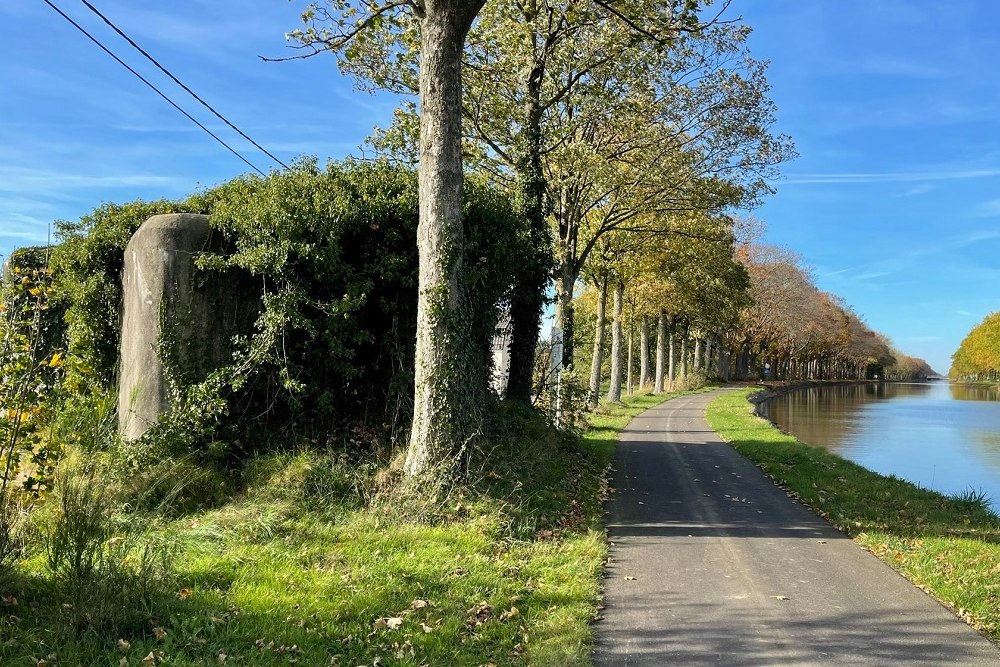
pixel 178 81
pixel 155 89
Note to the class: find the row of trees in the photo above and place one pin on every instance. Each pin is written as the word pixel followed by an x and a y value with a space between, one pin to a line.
pixel 737 311
pixel 977 359
pixel 612 123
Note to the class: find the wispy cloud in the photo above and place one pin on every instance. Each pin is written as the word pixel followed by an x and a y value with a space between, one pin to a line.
pixel 890 177
pixel 38 180
pixel 922 189
pixel 989 209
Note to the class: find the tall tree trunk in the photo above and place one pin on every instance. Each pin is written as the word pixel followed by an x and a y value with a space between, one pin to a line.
pixel 697 353
pixel 661 341
pixel 630 342
pixel 645 376
pixel 708 354
pixel 598 358
pixel 615 390
pixel 444 384
pixel 529 291
pixel 672 365
pixel 684 351
pixel 564 308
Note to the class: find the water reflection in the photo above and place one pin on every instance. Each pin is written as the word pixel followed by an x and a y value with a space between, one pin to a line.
pixel 938 435
pixel 966 392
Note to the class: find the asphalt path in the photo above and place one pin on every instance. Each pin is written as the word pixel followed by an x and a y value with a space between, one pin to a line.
pixel 713 564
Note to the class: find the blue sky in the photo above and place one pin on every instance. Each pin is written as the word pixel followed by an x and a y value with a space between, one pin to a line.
pixel 894 106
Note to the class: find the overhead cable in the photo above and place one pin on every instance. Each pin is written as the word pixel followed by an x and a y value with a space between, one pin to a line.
pixel 155 89
pixel 179 82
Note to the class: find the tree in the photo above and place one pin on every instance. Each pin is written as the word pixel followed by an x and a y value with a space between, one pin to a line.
pixel 441 414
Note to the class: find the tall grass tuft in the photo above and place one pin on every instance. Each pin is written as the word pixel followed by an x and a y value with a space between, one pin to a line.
pixel 106 564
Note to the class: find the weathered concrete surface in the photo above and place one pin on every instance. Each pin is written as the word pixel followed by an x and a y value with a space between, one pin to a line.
pixel 715 548
pixel 164 292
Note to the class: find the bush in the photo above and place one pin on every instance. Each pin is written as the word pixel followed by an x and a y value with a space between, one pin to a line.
pixel 331 355
pixel 29 368
pixel 695 379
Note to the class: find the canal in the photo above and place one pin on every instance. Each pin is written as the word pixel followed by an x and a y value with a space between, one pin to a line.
pixel 938 435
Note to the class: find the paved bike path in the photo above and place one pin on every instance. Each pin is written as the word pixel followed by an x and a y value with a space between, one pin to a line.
pixel 712 564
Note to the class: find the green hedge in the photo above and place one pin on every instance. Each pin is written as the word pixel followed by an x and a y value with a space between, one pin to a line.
pixel 334 252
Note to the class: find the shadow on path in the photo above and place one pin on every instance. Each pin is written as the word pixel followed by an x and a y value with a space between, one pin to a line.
pixel 712 564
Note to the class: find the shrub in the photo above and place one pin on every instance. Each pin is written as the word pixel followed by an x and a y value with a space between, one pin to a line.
pixel 29 367
pixel 331 355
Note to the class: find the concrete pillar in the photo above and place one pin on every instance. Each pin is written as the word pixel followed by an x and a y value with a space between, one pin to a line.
pixel 174 314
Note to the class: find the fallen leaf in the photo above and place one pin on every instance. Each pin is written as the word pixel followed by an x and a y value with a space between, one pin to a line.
pixel 418 604
pixel 123 645
pixel 779 597
pixel 159 633
pixel 629 578
pixel 221 658
pixel 426 628
pixel 149 659
pixel 394 623
pixel 183 593
pixel 509 614
pixel 123 662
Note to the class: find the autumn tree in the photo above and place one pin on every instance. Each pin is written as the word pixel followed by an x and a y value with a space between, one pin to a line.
pixel 978 357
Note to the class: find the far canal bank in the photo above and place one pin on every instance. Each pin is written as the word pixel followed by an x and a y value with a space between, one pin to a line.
pixel 938 435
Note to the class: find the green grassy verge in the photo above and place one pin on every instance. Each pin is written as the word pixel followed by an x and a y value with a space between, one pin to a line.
pixel 949 546
pixel 315 564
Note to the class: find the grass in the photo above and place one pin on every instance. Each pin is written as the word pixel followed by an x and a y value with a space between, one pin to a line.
pixel 314 564
pixel 948 546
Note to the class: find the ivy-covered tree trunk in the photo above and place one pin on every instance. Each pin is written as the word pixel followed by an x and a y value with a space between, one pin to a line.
pixel 529 292
pixel 661 342
pixel 615 390
pixel 566 273
pixel 598 359
pixel 645 376
pixel 443 389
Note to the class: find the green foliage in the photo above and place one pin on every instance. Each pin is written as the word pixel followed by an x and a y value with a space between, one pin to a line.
pixel 978 357
pixel 334 250
pixel 331 355
pixel 29 368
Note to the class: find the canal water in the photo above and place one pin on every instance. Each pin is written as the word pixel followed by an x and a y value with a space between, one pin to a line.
pixel 941 436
